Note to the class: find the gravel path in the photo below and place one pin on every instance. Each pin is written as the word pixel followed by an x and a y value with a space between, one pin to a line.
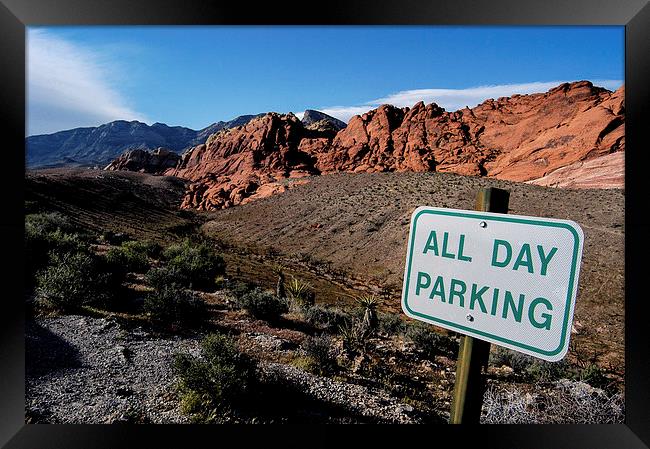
pixel 89 370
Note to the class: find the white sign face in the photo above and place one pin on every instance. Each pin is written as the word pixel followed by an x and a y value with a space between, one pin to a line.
pixel 507 279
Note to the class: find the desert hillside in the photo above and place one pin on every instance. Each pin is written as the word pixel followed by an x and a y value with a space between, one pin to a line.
pixel 358 224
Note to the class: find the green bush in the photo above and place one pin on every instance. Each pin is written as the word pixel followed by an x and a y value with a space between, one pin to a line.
pixel 327 318
pixel 220 282
pixel 127 260
pixel 238 288
pixel 391 324
pixel 172 304
pixel 211 384
pixel 543 371
pixel 319 350
pixel 113 238
pixel 594 376
pixel 197 264
pixel 132 256
pixel 165 276
pixel 48 222
pixel 431 342
pixel 146 247
pixel 46 233
pixel 262 304
pixel 72 280
pixel 516 360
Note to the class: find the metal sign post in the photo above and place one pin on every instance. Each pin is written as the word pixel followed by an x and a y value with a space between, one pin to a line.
pixel 473 354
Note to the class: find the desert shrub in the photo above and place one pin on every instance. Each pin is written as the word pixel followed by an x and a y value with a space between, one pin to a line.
pixel 328 318
pixel 262 304
pixel 532 368
pixel 210 385
pixel 300 294
pixel 71 281
pixel 238 288
pixel 319 350
pixel 542 371
pixel 172 304
pixel 49 233
pixel 516 360
pixel 567 402
pixel 219 282
pixel 48 222
pixel 39 246
pixel 128 258
pixel 159 277
pixel 391 324
pixel 196 262
pixel 146 247
pixel 594 376
pixel 114 238
pixel 430 342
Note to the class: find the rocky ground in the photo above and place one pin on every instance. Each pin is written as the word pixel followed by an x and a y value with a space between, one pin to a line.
pixel 82 369
pixel 91 370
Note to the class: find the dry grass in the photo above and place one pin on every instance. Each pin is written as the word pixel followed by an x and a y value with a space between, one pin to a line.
pixel 566 403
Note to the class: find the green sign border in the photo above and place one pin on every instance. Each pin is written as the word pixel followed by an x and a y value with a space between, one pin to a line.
pixel 509 219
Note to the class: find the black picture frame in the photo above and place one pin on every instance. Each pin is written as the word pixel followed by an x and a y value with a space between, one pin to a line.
pixel 15 15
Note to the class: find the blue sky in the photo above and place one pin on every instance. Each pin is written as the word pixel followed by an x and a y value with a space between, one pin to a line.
pixel 194 76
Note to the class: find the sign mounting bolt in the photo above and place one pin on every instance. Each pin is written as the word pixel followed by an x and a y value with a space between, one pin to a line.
pixel 469 317
pixel 483 224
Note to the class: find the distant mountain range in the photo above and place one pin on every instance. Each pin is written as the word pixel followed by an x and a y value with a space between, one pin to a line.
pixel 98 146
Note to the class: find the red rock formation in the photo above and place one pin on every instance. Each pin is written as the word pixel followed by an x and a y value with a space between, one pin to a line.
pixel 519 138
pixel 541 133
pixel 237 165
pixel 155 161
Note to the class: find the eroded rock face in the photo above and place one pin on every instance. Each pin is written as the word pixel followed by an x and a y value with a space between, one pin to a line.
pixel 519 138
pixel 604 172
pixel 234 166
pixel 155 161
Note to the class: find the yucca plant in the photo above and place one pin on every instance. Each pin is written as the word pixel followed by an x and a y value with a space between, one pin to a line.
pixel 354 335
pixel 280 290
pixel 300 293
pixel 368 304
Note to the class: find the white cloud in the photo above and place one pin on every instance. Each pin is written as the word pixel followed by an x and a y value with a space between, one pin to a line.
pixel 453 99
pixel 69 86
